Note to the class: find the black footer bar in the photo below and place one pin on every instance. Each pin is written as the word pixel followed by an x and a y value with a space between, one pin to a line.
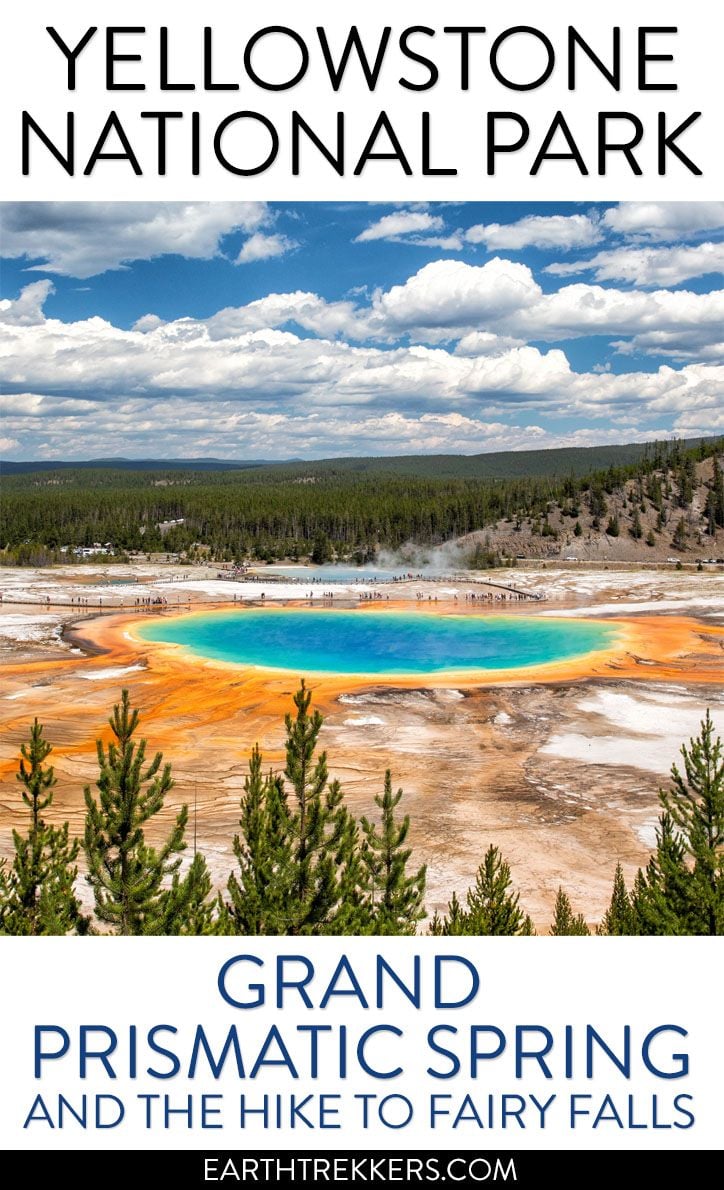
pixel 226 1169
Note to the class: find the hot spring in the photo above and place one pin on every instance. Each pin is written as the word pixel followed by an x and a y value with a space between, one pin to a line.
pixel 336 573
pixel 385 642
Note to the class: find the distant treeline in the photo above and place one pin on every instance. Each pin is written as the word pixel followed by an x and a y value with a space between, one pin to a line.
pixel 496 464
pixel 304 865
pixel 351 507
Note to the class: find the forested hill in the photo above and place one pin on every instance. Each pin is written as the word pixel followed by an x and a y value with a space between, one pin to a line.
pixel 33 466
pixel 507 464
pixel 504 464
pixel 668 499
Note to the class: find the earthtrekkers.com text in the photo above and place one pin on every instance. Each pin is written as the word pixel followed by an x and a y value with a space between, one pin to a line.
pixel 289 1170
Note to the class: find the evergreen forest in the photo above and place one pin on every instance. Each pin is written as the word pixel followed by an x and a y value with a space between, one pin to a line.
pixel 352 508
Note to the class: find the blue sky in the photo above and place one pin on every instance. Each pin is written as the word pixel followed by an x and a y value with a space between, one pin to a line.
pixel 253 330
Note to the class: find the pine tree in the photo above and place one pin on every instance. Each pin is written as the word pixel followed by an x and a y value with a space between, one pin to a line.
pixel 453 924
pixel 138 888
pixel 695 803
pixel 660 893
pixel 324 896
pixel 492 906
pixel 313 887
pixel 322 549
pixel 298 854
pixel 395 899
pixel 710 514
pixel 597 503
pixel 718 491
pixel 4 895
pixel 187 907
pixel 679 538
pixel 352 914
pixel 37 893
pixel 259 895
pixel 565 921
pixel 637 530
pixel 619 918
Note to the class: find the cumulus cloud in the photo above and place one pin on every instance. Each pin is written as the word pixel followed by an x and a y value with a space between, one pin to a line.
pixel 664 220
pixel 440 302
pixel 679 343
pixel 302 309
pixel 666 390
pixel 261 246
pixel 693 321
pixel 537 231
pixel 697 423
pixel 450 294
pixel 458 356
pixel 452 359
pixel 485 343
pixel 27 309
pixel 84 239
pixel 400 224
pixel 447 243
pixel 95 361
pixel 235 431
pixel 148 322
pixel 648 266
pixel 449 301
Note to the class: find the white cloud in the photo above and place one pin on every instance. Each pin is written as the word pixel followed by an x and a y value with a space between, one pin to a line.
pixel 537 231
pixel 450 294
pixel 399 224
pixel 697 423
pixel 519 370
pixel 692 320
pixel 84 239
pixel 234 431
pixel 448 301
pixel 442 301
pixel 644 265
pixel 148 322
pixel 485 343
pixel 453 358
pixel 696 343
pixel 664 220
pixel 27 309
pixel 666 390
pixel 70 369
pixel 448 243
pixel 261 246
pixel 8 444
pixel 301 308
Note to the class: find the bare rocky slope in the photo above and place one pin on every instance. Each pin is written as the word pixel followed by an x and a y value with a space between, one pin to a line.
pixel 655 519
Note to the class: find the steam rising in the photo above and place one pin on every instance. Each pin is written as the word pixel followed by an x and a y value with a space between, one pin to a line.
pixel 448 558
